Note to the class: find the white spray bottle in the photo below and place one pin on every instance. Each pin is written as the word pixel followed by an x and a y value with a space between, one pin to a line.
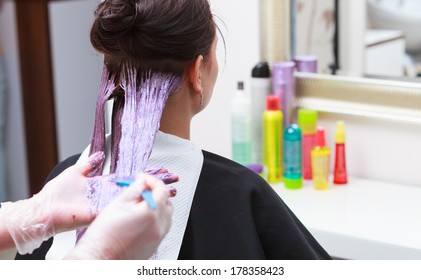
pixel 241 126
pixel 260 88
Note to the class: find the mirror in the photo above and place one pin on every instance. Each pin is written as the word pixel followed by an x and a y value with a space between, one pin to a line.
pixel 369 31
pixel 315 27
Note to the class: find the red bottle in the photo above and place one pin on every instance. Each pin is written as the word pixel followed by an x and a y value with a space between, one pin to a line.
pixel 340 175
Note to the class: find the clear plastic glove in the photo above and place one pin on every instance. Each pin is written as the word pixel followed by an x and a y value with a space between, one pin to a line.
pixel 102 190
pixel 60 206
pixel 128 228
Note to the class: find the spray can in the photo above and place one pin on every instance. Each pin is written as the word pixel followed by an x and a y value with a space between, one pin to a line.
pixel 260 88
pixel 292 157
pixel 272 139
pixel 283 80
pixel 241 126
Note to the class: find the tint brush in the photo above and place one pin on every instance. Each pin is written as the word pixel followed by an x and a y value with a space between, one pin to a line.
pixel 146 194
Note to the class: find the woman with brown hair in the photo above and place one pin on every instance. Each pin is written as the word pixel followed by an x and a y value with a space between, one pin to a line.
pixel 160 69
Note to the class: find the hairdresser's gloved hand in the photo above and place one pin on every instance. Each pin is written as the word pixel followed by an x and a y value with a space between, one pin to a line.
pixel 60 206
pixel 162 174
pixel 128 228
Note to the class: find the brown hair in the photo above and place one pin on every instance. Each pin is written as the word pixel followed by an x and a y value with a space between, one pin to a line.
pixel 159 35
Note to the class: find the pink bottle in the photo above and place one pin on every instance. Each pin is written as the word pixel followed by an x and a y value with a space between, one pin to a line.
pixel 307 121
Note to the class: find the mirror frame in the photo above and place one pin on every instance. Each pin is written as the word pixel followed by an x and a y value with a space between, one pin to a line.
pixel 363 97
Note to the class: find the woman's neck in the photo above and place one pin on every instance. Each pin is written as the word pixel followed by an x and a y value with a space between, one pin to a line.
pixel 176 122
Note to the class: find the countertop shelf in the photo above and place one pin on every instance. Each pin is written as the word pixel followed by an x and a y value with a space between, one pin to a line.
pixel 364 219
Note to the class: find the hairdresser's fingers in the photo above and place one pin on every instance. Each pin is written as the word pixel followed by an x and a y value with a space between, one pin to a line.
pixel 94 162
pixel 173 191
pixel 168 178
pixel 156 170
pixel 152 182
pixel 134 192
pixel 160 192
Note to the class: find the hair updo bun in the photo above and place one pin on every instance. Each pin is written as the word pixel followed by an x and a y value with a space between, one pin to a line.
pixel 112 28
pixel 160 35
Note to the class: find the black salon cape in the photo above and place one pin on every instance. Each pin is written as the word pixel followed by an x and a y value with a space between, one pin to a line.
pixel 235 214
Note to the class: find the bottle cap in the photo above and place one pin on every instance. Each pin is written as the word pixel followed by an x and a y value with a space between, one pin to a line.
pixel 340 132
pixel 240 85
pixel 272 103
pixel 320 137
pixel 257 168
pixel 261 70
pixel 306 63
pixel 292 133
pixel 307 121
pixel 293 183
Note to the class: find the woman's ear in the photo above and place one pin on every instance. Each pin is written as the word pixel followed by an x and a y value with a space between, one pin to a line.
pixel 195 77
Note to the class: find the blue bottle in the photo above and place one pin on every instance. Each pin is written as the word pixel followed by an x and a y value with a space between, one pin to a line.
pixel 292 157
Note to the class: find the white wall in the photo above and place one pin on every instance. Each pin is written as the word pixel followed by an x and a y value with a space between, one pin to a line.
pixel 17 174
pixel 211 128
pixel 76 73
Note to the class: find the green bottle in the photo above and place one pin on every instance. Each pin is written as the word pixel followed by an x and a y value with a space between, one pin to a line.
pixel 292 157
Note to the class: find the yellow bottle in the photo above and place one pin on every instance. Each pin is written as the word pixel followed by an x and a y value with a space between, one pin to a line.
pixel 272 139
pixel 320 161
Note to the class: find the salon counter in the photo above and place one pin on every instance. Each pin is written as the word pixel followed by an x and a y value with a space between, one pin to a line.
pixel 364 219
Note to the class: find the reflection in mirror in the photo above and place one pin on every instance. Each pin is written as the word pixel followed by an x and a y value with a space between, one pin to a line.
pixel 315 26
pixel 377 38
pixel 402 18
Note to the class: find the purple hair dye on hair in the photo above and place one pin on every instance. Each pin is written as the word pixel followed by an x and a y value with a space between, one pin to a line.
pixel 136 124
pixel 98 138
pixel 140 121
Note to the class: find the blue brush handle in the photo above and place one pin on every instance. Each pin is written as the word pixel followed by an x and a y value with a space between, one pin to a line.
pixel 146 194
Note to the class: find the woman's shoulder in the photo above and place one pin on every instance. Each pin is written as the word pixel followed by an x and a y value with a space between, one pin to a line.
pixel 219 172
pixel 220 167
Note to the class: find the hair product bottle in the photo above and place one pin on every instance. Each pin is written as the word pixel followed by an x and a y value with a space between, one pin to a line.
pixel 320 160
pixel 241 126
pixel 283 80
pixel 272 140
pixel 257 168
pixel 340 175
pixel 307 121
pixel 306 63
pixel 260 88
pixel 292 157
